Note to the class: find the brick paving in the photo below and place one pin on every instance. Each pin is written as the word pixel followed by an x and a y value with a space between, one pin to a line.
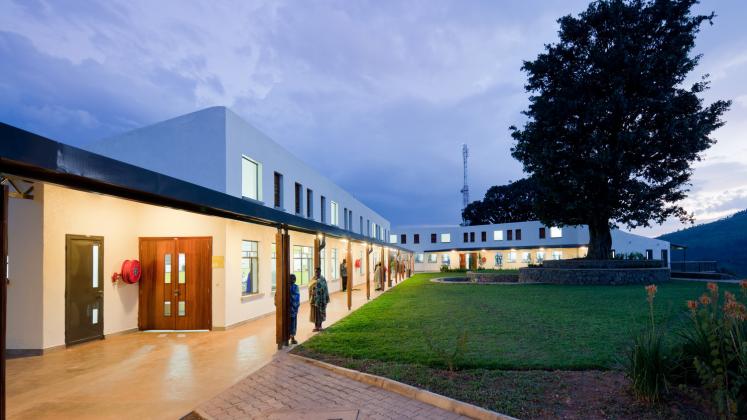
pixel 287 388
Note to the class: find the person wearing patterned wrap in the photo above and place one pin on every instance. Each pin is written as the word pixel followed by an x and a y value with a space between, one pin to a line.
pixel 318 298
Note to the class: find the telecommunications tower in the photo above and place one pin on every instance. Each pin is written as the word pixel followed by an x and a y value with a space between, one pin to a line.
pixel 465 188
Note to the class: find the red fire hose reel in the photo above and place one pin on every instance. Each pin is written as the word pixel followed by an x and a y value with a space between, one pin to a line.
pixel 130 272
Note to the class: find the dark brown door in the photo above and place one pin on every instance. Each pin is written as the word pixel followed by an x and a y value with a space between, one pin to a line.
pixel 462 261
pixel 175 288
pixel 84 288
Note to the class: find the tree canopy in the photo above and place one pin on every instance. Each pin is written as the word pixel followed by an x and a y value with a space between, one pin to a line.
pixel 612 126
pixel 503 204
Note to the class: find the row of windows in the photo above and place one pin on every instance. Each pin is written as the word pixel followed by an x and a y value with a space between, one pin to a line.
pixel 512 257
pixel 555 232
pixel 303 262
pixel 251 187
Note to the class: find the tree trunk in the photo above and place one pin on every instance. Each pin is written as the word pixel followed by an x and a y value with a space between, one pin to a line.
pixel 600 240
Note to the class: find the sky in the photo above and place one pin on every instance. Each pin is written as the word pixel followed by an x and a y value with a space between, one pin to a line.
pixel 378 95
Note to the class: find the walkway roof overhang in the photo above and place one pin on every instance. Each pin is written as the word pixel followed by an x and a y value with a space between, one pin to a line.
pixel 28 155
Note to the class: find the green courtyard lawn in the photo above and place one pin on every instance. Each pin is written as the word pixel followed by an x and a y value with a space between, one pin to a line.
pixel 521 340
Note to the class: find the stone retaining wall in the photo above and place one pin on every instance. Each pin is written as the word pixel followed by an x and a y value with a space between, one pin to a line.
pixel 481 277
pixel 604 264
pixel 593 276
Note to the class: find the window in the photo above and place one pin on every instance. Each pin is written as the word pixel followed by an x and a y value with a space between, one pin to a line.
pixel 418 258
pixel 274 263
pixel 484 236
pixel 416 238
pixel 299 198
pixel 556 232
pixel 542 233
pixel 512 256
pixel 323 262
pixel 433 238
pixel 360 263
pixel 334 213
pixel 335 264
pixel 323 209
pixel 445 237
pixel 249 268
pixel 350 220
pixel 465 237
pixel 557 255
pixel 278 201
pixel 403 238
pixel 540 256
pixel 498 259
pixel 497 235
pixel 518 234
pixel 374 230
pixel 302 264
pixel 446 259
pixel 309 203
pixel 368 228
pixel 509 235
pixel 250 179
pixel 649 254
pixel 472 236
pixel 526 257
pixel 432 258
pixel 361 231
pixel 392 239
pixel 345 218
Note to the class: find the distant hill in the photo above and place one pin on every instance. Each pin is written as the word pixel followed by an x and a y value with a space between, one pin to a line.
pixel 724 241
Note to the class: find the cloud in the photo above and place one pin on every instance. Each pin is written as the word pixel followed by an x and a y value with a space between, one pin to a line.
pixel 379 96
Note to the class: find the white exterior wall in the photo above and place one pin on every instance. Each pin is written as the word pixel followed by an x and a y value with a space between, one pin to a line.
pixel 572 243
pixel 206 148
pixel 571 236
pixel 38 228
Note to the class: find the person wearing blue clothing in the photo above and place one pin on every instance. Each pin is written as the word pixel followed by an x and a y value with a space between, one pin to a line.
pixel 295 302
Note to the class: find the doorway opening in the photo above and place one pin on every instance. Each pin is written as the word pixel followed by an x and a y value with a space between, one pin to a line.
pixel 176 284
pixel 84 288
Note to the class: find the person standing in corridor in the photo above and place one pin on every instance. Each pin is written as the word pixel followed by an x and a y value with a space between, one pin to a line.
pixel 318 298
pixel 344 275
pixel 295 303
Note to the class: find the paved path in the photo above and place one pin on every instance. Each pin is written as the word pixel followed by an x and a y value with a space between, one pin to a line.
pixel 288 388
pixel 149 375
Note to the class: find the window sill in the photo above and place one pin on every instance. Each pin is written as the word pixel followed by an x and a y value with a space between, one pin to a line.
pixel 252 297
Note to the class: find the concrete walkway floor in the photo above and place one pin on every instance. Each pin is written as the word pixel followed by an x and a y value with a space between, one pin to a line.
pixel 287 388
pixel 149 375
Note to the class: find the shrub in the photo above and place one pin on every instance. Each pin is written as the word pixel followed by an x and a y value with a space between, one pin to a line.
pixel 651 359
pixel 715 345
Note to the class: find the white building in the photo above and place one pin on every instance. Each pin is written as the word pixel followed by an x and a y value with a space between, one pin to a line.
pixel 200 200
pixel 510 245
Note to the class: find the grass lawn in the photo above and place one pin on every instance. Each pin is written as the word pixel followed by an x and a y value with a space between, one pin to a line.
pixel 516 336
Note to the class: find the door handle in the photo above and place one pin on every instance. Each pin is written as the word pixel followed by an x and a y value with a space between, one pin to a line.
pixel 176 293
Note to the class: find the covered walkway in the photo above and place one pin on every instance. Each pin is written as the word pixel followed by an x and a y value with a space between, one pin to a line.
pixel 149 375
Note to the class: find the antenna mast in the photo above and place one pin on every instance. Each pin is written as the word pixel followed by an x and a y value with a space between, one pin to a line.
pixel 465 188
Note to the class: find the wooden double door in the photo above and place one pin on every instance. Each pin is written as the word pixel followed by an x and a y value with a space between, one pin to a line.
pixel 176 283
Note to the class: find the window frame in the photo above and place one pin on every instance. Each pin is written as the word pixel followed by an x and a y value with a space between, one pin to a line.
pixel 445 238
pixel 556 232
pixel 298 194
pixel 258 178
pixel 499 234
pixel 255 258
pixel 416 238
pixel 277 190
pixel 334 213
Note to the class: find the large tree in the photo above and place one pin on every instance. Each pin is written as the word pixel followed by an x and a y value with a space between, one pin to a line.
pixel 513 202
pixel 612 128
